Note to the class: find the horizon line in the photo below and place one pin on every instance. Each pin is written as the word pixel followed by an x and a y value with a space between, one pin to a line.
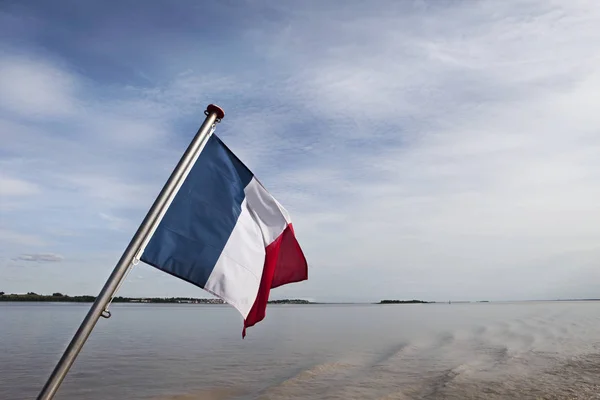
pixel 313 301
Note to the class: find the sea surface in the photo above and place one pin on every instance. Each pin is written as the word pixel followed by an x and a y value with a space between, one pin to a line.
pixel 533 350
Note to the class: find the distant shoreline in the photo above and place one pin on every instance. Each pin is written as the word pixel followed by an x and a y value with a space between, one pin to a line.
pixel 63 298
pixel 404 302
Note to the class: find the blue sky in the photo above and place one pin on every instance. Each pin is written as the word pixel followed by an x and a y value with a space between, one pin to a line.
pixel 434 150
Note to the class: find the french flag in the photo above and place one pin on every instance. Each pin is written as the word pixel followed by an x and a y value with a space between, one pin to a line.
pixel 225 233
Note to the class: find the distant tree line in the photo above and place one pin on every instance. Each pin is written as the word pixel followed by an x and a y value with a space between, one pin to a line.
pixel 404 302
pixel 59 297
pixel 292 301
pixel 31 296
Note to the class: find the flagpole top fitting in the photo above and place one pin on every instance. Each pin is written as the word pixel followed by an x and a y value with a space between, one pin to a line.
pixel 215 109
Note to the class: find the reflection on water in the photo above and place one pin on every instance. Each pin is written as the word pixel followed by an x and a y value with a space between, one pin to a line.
pixel 545 350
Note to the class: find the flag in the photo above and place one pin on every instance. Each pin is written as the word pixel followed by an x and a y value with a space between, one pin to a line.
pixel 225 233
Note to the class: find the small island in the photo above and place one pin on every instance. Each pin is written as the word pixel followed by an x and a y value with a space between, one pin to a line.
pixel 404 302
pixel 290 301
pixel 63 298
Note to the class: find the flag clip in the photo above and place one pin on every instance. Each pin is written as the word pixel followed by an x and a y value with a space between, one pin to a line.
pixel 217 120
pixel 105 314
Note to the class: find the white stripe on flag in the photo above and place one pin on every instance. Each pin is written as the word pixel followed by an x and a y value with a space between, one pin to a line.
pixel 266 211
pixel 236 276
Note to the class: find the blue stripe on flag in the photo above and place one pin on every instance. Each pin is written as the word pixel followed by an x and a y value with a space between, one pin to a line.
pixel 197 225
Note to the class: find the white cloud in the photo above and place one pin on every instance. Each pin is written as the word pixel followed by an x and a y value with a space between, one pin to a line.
pixel 116 223
pixel 40 257
pixel 34 88
pixel 112 192
pixel 16 187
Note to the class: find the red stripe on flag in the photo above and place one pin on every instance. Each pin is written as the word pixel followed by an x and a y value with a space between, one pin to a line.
pixel 284 263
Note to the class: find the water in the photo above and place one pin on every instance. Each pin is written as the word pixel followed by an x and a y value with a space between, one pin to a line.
pixel 545 350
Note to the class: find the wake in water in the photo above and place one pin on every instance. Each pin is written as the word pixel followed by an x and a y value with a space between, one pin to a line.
pixel 523 359
pixel 209 394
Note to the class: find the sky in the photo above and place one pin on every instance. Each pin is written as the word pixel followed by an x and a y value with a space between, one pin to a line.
pixel 435 150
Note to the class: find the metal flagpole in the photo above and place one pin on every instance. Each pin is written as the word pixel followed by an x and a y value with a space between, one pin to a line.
pixel 214 114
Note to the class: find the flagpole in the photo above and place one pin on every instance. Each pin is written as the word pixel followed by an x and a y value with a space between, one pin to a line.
pixel 214 114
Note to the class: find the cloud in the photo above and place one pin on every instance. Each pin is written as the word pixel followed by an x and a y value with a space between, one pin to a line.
pixel 41 257
pixel 35 88
pixel 106 156
pixel 110 191
pixel 116 223
pixel 16 187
